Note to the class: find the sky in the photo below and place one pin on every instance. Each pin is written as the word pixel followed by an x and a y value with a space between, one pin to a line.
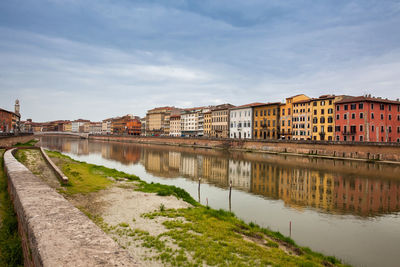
pixel 70 59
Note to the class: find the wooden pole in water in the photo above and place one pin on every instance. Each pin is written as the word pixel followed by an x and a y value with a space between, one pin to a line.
pixel 290 229
pixel 230 195
pixel 207 200
pixel 199 188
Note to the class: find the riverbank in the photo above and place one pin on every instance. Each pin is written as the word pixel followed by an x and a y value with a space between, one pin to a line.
pixel 368 152
pixel 163 225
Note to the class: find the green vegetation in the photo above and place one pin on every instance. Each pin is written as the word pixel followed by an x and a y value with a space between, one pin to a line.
pixel 200 235
pixel 218 238
pixel 29 143
pixel 85 178
pixel 10 243
pixel 166 190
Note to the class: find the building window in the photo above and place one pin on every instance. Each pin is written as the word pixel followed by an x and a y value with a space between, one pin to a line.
pixel 372 116
pixel 353 115
pixel 382 129
pixel 360 106
pixel 345 116
pixel 353 106
pixel 372 106
pixel 390 107
pixel 398 129
pixel 381 116
pixel 338 117
pixel 283 123
pixel 346 107
pixel 330 110
pixel 337 128
pixel 361 138
pixel 390 129
pixel 361 128
pixel 330 120
pixel 315 112
pixel 382 107
pixel 390 117
pixel 361 115
pixel 283 112
pixel 315 129
pixel 256 113
pixel 372 128
pixel 337 107
pixel 337 138
pixel 330 129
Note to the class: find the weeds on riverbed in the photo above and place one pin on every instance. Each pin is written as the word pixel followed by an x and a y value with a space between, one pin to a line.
pixel 29 143
pixel 166 190
pixel 10 243
pixel 84 177
pixel 218 238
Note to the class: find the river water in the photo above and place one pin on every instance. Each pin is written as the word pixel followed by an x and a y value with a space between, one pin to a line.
pixel 343 208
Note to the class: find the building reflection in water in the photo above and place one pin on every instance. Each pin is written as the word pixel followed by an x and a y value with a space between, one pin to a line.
pixel 326 185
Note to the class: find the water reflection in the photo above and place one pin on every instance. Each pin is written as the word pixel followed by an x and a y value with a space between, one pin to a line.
pixel 329 186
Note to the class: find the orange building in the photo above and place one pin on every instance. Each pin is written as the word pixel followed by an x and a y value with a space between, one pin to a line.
pixel 134 126
pixel 266 121
pixel 286 114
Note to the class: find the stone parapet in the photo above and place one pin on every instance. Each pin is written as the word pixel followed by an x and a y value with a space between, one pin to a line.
pixel 53 231
pixel 60 175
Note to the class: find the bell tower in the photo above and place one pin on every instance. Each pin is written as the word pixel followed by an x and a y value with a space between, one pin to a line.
pixel 17 107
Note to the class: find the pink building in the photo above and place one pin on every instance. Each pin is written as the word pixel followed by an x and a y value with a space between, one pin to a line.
pixel 366 118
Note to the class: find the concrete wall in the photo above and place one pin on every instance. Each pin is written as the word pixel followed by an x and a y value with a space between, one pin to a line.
pixel 12 140
pixel 53 231
pixel 366 151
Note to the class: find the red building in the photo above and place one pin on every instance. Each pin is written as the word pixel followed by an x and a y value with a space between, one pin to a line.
pixel 8 121
pixel 366 118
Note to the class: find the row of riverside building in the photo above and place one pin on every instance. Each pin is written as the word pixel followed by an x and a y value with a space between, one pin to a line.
pixel 326 118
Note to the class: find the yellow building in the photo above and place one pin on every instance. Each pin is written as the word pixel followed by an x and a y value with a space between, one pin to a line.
pixel 266 121
pixel 67 127
pixel 207 124
pixel 158 120
pixel 286 112
pixel 323 117
pixel 302 120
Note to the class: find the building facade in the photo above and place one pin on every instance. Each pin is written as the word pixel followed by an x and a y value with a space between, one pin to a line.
pixel 302 120
pixel 157 120
pixel 175 125
pixel 106 126
pixel 367 118
pixel 286 113
pixel 241 121
pixel 266 121
pixel 10 121
pixel 207 123
pixel 78 126
pixel 220 121
pixel 134 126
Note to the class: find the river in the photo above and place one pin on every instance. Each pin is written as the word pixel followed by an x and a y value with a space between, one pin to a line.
pixel 343 208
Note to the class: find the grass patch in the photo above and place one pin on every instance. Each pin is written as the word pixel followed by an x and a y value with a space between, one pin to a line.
pixel 10 243
pixel 29 143
pixel 215 237
pixel 166 190
pixel 84 177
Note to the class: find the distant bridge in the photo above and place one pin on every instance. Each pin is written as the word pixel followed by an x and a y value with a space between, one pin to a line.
pixel 81 135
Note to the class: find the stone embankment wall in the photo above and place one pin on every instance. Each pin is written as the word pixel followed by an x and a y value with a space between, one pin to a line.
pixel 53 231
pixel 12 140
pixel 348 150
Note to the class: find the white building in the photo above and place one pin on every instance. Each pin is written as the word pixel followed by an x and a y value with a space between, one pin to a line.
pixel 106 126
pixel 175 125
pixel 241 121
pixel 192 121
pixel 78 125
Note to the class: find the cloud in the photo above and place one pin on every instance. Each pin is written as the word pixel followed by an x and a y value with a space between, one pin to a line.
pixel 96 59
